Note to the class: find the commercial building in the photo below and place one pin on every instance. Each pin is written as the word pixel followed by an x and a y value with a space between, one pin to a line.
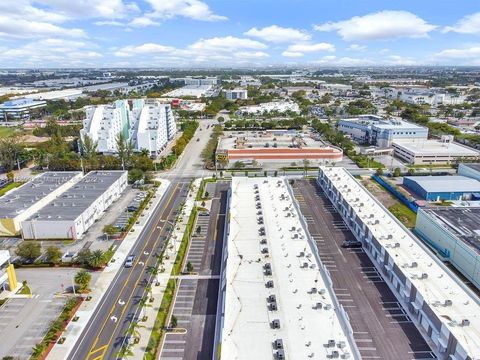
pixel 454 233
pixel 148 124
pixel 196 91
pixel 470 170
pixel 197 81
pixel 20 203
pixel 236 94
pixel 7 273
pixel 422 95
pixel 436 188
pixel 19 109
pixel 71 214
pixel 276 297
pixel 443 308
pixel 276 146
pixel 433 152
pixel 277 106
pixel 374 130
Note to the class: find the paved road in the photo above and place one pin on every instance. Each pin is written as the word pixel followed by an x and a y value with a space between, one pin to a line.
pixel 103 336
pixel 381 328
pixel 195 304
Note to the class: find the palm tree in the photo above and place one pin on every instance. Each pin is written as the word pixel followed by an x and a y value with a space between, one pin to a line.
pixel 96 259
pixel 82 279
pixel 88 147
pixel 143 303
pixel 155 271
pixel 124 150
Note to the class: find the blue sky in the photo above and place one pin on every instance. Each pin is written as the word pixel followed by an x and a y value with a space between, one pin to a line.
pixel 205 33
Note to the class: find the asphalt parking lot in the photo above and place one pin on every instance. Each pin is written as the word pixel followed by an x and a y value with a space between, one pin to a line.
pixel 381 328
pixel 195 305
pixel 24 321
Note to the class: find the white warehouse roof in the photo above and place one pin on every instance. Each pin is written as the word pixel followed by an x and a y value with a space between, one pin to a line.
pixel 308 319
pixel 447 183
pixel 438 286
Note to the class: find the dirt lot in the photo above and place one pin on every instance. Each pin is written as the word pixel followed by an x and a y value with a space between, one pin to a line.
pixel 380 193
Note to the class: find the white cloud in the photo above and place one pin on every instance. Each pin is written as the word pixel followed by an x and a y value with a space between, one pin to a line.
pixel 466 53
pixel 109 9
pixel 400 60
pixel 357 47
pixel 470 24
pixel 21 28
pixel 227 50
pixel 52 52
pixel 387 24
pixel 109 23
pixel 145 49
pixel 227 43
pixel 292 54
pixel 277 34
pixel 142 22
pixel 194 9
pixel 298 50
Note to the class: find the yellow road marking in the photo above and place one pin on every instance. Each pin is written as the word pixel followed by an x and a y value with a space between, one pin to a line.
pixel 128 278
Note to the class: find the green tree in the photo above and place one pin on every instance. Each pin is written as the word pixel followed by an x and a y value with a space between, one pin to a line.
pixel 10 151
pixel 82 257
pixel 379 172
pixel 82 279
pixel 88 147
pixel 53 254
pixel 397 172
pixel 173 322
pixel 189 267
pixel 110 230
pixel 96 259
pixel 29 250
pixel 124 150
pixel 10 176
pixel 135 174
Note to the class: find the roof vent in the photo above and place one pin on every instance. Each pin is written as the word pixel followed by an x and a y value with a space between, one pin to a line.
pixel 465 322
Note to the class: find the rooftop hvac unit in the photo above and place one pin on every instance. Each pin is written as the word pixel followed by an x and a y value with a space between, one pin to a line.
pixel 271 298
pixel 318 306
pixel 341 344
pixel 273 306
pixel 396 245
pixel 424 276
pixel 304 265
pixel 414 264
pixel 321 291
pixel 345 356
pixel 280 354
pixel 389 236
pixel 327 306
pixel 313 290
pixel 265 251
pixel 331 343
pixel 335 354
pixel 465 322
pixel 275 324
pixel 302 254
pixel 278 344
pixel 447 303
pixel 269 284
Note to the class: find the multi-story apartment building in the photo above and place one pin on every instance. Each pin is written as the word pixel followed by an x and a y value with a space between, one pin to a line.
pixel 148 124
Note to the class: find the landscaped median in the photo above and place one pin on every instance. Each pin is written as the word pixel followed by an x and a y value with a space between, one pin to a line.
pixel 153 329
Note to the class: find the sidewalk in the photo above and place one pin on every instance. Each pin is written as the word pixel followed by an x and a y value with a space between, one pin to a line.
pixel 74 329
pixel 174 242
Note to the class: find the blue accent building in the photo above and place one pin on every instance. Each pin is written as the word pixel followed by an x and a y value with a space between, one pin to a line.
pixel 436 188
pixel 19 109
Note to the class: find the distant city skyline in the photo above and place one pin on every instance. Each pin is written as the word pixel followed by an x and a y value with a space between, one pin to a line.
pixel 209 33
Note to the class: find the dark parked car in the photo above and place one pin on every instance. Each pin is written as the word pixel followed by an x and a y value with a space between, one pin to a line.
pixel 351 244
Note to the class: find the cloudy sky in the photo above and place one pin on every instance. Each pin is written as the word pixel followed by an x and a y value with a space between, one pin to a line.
pixel 180 33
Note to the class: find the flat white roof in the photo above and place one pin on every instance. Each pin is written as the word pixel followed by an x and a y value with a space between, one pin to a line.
pixel 439 285
pixel 435 147
pixel 304 328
